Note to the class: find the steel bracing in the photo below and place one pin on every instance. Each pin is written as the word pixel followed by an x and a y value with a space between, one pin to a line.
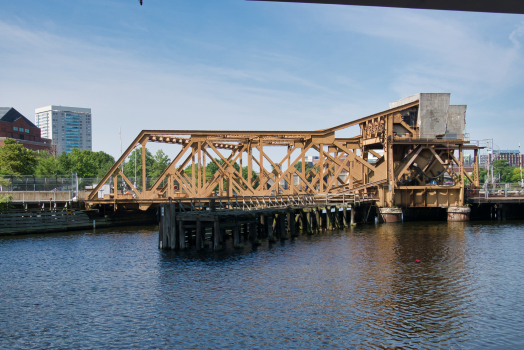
pixel 391 168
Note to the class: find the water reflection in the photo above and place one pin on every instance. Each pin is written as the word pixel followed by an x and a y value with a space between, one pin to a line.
pixel 357 288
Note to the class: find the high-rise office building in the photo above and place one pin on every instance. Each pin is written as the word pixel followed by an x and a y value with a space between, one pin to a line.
pixel 68 127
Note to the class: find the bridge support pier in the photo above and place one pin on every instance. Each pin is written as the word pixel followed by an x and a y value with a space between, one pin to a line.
pixel 389 215
pixel 457 214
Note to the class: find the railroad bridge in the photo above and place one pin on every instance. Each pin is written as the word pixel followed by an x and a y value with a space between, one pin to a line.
pixel 407 156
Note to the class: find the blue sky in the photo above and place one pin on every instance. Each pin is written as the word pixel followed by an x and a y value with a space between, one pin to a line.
pixel 242 65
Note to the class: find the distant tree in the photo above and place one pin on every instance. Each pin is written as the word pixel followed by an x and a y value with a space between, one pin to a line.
pixel 161 162
pixel 15 159
pixel 515 176
pixel 482 175
pixel 84 163
pixel 47 164
pixel 129 167
pixel 308 166
pixel 502 170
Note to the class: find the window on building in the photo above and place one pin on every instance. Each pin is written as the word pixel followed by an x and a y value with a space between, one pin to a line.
pixel 21 136
pixel 27 131
pixel 15 128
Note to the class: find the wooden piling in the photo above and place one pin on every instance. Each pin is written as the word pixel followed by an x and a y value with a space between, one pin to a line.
pixel 269 225
pixel 236 236
pixel 282 226
pixel 181 235
pixel 198 235
pixel 216 234
pixel 172 227
pixel 291 223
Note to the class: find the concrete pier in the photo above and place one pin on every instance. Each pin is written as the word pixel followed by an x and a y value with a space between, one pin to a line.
pixel 458 213
pixel 389 215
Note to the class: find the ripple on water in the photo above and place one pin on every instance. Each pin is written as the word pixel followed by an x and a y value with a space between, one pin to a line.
pixel 354 289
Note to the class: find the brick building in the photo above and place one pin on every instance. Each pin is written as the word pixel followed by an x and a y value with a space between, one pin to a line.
pixel 513 157
pixel 14 125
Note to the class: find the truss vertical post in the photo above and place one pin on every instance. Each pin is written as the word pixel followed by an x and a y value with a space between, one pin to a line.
pixel 461 176
pixel 144 183
pixel 476 168
pixel 321 168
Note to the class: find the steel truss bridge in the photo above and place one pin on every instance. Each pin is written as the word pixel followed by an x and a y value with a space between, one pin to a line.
pixel 407 169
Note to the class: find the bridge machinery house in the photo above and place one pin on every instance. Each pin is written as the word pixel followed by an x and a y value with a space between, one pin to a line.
pixel 417 146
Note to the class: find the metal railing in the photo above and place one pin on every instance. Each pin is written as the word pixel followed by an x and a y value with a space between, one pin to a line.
pixel 496 190
pixel 431 137
pixel 242 203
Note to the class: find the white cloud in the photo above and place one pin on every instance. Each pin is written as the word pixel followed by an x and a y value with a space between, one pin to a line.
pixel 435 51
pixel 128 92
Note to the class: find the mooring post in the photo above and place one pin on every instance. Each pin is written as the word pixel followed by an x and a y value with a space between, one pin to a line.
pixel 216 234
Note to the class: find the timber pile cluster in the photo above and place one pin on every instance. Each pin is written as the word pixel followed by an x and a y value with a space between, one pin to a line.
pixel 208 229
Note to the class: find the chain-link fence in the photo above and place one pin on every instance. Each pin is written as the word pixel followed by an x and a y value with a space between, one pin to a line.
pixel 10 183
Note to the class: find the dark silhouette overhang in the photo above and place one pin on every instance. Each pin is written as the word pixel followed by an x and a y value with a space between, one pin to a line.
pixel 498 6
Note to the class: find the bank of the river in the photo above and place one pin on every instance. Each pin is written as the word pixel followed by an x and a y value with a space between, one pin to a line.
pixel 359 288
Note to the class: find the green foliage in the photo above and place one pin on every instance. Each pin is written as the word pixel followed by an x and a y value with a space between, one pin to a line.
pixel 502 171
pixel 515 176
pixel 4 201
pixel 161 162
pixel 47 164
pixel 84 163
pixel 482 175
pixel 308 166
pixel 15 159
pixel 129 166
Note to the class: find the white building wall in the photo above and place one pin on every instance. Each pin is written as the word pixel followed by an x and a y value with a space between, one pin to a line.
pixel 68 127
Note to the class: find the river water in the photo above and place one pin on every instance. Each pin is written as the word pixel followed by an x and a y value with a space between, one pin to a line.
pixel 360 288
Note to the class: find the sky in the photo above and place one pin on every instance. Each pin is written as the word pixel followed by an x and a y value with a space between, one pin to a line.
pixel 246 65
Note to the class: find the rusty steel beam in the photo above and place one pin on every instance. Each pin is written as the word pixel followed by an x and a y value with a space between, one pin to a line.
pixel 343 165
pixel 500 6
